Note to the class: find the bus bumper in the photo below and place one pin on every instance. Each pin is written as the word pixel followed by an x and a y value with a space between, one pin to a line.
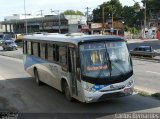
pixel 105 93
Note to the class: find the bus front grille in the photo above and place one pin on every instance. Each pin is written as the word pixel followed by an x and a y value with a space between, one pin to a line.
pixel 111 95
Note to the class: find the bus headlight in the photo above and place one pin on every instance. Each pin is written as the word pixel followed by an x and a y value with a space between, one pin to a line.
pixel 88 87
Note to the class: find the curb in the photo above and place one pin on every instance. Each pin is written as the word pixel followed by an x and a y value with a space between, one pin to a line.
pixel 145 93
pixel 146 90
pixel 16 57
pixel 140 40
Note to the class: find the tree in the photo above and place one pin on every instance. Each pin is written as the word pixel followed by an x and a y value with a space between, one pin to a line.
pixel 133 16
pixel 72 12
pixel 152 4
pixel 111 7
pixel 129 14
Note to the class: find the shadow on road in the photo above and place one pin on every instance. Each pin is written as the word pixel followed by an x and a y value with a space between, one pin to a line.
pixel 24 96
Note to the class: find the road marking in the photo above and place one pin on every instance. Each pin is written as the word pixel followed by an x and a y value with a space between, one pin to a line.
pixel 153 72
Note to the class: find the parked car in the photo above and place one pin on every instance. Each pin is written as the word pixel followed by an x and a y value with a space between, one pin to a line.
pixel 4 37
pixel 9 45
pixel 145 51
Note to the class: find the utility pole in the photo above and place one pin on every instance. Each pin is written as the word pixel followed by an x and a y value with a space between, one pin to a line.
pixel 25 17
pixel 59 18
pixel 112 28
pixel 145 17
pixel 41 11
pixel 103 20
pixel 145 12
pixel 87 13
pixel 112 18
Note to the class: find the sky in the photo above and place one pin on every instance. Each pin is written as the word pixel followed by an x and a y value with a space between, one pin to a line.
pixel 10 7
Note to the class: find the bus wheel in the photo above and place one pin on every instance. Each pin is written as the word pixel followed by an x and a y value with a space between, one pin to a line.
pixel 36 76
pixel 67 92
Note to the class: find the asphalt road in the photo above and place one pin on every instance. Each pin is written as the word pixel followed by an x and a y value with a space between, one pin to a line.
pixel 147 75
pixel 19 92
pixel 16 53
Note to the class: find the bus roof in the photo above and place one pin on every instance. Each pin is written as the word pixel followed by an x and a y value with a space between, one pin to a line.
pixel 71 38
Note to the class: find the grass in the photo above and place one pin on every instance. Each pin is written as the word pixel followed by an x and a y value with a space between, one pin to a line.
pixel 146 94
pixel 156 95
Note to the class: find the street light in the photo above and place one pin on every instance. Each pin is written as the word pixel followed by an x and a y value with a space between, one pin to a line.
pixel 25 16
pixel 145 6
pixel 103 20
pixel 112 29
pixel 59 19
pixel 145 14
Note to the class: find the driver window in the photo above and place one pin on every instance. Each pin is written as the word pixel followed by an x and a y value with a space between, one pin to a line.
pixel 97 57
pixel 94 57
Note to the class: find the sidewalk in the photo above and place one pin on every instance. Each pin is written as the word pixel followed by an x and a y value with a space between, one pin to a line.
pixel 140 40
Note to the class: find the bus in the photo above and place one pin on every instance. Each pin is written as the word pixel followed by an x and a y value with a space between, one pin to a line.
pixel 88 68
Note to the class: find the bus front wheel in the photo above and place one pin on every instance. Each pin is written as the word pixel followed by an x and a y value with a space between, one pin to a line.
pixel 67 92
pixel 36 76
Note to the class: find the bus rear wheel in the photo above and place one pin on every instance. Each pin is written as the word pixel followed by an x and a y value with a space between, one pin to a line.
pixel 67 92
pixel 36 76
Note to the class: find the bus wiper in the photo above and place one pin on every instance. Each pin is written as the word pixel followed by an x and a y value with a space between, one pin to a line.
pixel 105 62
pixel 122 74
pixel 109 62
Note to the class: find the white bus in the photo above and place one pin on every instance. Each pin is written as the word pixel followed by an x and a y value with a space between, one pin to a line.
pixel 88 68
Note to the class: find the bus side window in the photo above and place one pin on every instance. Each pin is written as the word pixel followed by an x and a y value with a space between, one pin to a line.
pixel 63 57
pixel 29 48
pixel 24 52
pixel 42 51
pixel 69 61
pixel 39 54
pixel 25 47
pixel 54 52
pixel 46 51
pixel 50 52
pixel 35 49
pixel 57 53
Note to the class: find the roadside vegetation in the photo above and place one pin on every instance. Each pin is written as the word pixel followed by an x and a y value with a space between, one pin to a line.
pixel 132 16
pixel 146 94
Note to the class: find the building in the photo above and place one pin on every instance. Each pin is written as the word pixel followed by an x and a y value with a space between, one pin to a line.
pixel 49 23
pixel 153 24
pixel 106 28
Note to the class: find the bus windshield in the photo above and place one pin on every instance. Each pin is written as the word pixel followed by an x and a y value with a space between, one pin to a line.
pixel 104 59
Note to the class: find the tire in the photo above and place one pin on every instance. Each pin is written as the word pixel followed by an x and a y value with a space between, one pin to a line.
pixel 67 92
pixel 36 76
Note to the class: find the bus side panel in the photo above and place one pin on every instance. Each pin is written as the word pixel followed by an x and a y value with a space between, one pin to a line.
pixel 45 70
pixel 80 96
pixel 53 75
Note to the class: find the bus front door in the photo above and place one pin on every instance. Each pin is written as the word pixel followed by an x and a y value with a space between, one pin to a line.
pixel 72 67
